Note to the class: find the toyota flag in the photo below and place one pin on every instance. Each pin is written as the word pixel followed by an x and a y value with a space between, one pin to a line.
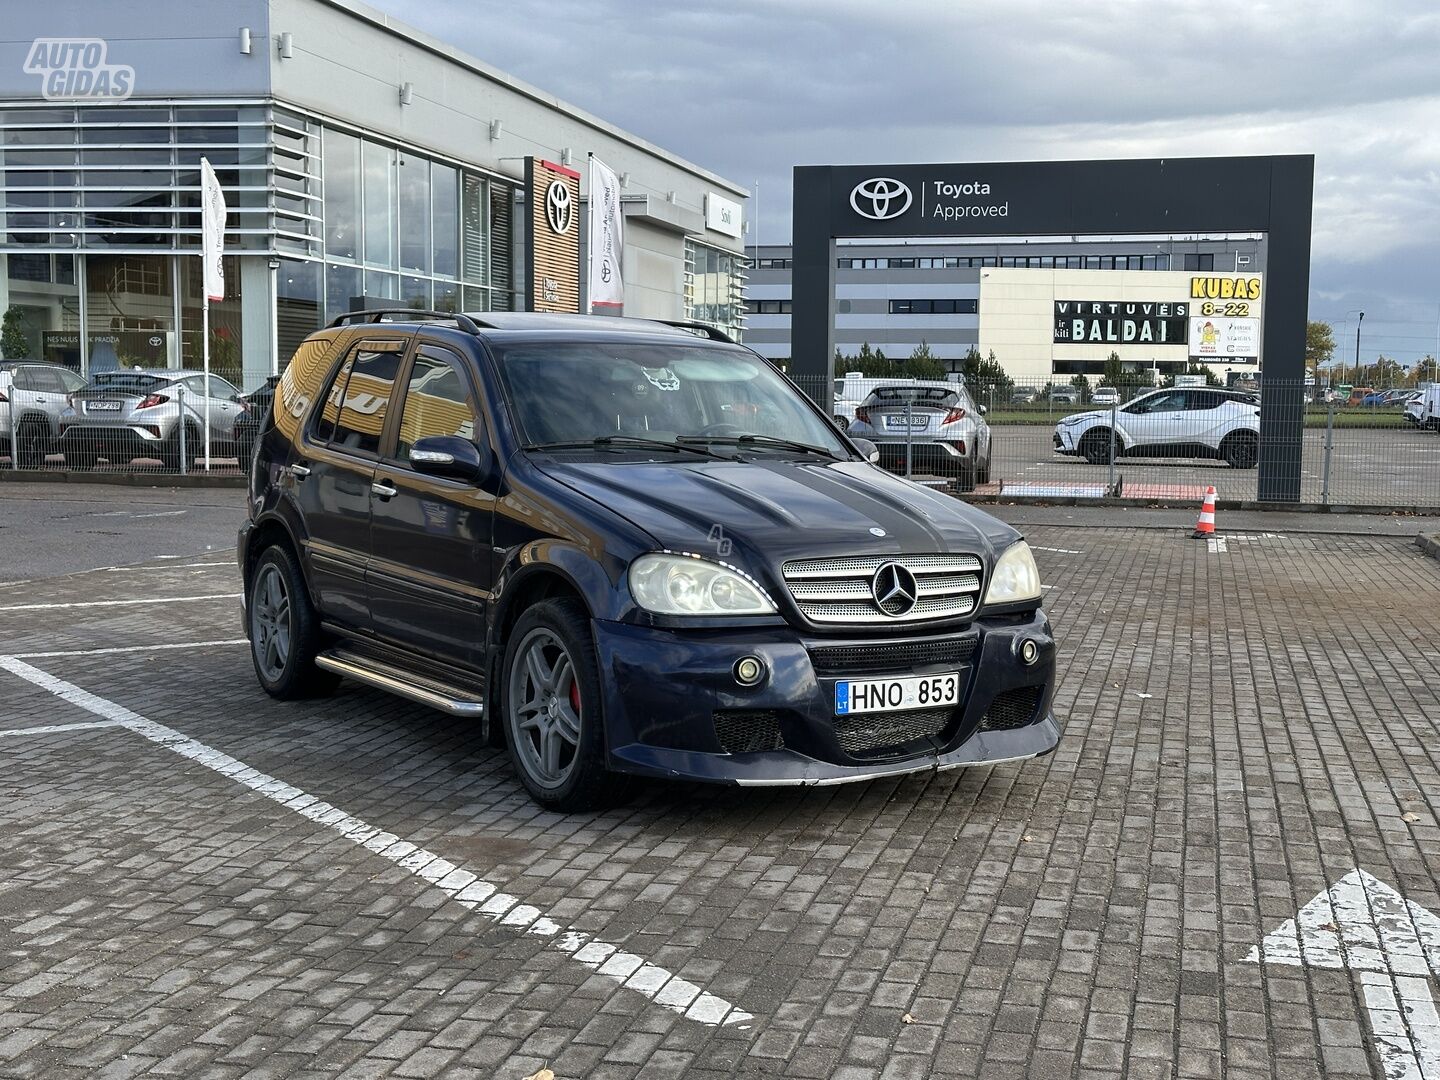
pixel 606 239
pixel 212 231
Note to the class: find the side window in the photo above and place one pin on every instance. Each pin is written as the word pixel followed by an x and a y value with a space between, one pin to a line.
pixel 70 382
pixel 334 395
pixel 437 402
pixel 1202 400
pixel 368 386
pixel 24 379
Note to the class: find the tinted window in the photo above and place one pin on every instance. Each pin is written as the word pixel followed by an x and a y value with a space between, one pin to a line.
pixel 1200 400
pixel 938 397
pixel 24 379
pixel 126 381
pixel 370 382
pixel 47 380
pixel 334 395
pixel 70 381
pixel 437 402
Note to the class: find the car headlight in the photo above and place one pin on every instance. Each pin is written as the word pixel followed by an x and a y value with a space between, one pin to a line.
pixel 690 585
pixel 1016 578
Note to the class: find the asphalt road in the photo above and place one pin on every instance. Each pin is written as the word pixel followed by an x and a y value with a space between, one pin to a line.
pixel 50 529
pixel 199 881
pixel 1369 466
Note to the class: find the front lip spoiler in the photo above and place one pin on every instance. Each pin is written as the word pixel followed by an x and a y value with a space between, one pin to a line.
pixel 785 768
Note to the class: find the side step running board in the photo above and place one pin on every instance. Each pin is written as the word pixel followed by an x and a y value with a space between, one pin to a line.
pixel 382 676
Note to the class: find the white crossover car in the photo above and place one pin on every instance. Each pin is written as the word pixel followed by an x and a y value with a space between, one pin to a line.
pixel 1198 422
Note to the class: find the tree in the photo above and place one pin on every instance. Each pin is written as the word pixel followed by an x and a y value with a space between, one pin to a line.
pixel 1319 345
pixel 1082 384
pixel 13 342
pixel 1113 373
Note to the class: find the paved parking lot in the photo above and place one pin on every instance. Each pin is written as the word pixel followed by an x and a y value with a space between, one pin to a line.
pixel 1396 466
pixel 197 881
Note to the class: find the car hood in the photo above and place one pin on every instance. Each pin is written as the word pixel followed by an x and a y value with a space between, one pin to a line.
pixel 760 513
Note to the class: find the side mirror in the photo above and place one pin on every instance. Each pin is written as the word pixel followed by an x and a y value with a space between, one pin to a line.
pixel 449 456
pixel 868 449
pixel 983 409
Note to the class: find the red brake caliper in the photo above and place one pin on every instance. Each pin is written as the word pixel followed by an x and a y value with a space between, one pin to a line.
pixel 575 697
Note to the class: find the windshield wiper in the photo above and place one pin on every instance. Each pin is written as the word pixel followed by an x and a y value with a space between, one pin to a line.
pixel 638 441
pixel 762 440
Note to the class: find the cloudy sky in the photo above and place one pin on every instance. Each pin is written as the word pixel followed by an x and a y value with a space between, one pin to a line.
pixel 749 88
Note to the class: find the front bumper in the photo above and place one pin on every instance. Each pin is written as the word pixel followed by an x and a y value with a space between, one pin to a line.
pixel 668 693
pixel 1066 441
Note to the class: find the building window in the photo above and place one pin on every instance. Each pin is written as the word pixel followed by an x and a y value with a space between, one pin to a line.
pixel 414 217
pixel 768 307
pixel 1200 262
pixel 714 288
pixel 934 307
pixel 379 169
pixel 772 264
pixel 342 195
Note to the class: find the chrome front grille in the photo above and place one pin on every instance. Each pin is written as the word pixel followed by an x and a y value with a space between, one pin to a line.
pixel 839 590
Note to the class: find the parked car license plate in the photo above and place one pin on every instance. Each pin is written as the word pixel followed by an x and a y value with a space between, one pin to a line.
pixel 103 406
pixel 899 421
pixel 896 695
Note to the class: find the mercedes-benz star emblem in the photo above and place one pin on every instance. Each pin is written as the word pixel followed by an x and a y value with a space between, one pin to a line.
pixel 895 589
pixel 557 206
pixel 880 198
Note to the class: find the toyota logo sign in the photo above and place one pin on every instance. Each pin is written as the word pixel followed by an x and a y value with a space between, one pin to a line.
pixel 880 198
pixel 558 206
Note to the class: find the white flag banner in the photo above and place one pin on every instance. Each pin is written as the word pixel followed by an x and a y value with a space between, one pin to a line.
pixel 212 231
pixel 605 239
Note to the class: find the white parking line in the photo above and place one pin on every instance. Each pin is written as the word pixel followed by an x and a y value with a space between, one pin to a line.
pixel 50 729
pixel 167 566
pixel 130 649
pixel 1057 551
pixel 633 972
pixel 122 603
pixel 1216 544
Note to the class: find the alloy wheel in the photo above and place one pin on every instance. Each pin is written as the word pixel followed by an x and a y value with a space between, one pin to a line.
pixel 544 707
pixel 270 623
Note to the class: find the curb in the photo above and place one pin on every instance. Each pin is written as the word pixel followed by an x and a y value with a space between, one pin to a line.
pixel 155 480
pixel 1429 543
pixel 1188 504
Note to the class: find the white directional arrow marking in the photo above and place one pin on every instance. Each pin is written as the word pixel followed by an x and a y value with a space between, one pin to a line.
pixel 1363 924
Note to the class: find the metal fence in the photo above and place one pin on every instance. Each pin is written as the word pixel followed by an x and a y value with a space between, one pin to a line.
pixel 1061 440
pixel 170 428
pixel 1002 437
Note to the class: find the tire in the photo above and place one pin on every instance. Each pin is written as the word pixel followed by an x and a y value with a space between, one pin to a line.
pixel 284 630
pixel 551 704
pixel 170 451
pixel 983 476
pixel 1095 447
pixel 1240 450
pixel 30 445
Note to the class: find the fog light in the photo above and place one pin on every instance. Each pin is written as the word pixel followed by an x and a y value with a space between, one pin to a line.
pixel 749 670
pixel 1029 651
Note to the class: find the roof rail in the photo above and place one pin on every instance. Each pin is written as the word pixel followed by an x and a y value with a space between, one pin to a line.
pixel 697 327
pixel 375 315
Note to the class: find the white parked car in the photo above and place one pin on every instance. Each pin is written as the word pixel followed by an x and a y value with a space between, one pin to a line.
pixel 1423 409
pixel 937 424
pixel 1106 396
pixel 1185 422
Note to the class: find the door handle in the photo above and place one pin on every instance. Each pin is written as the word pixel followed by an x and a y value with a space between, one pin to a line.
pixel 383 490
pixel 299 471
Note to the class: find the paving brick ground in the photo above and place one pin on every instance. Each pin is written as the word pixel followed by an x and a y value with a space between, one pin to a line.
pixel 1242 729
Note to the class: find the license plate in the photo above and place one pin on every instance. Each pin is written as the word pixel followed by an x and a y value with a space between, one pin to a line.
pixel 899 421
pixel 103 406
pixel 854 696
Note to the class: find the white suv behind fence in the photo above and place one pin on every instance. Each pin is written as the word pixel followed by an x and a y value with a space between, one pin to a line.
pixel 1198 422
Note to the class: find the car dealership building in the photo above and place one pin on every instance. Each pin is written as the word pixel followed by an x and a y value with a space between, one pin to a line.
pixel 363 163
pixel 1046 307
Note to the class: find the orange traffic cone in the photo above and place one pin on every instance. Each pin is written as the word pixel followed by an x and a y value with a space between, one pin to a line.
pixel 1205 527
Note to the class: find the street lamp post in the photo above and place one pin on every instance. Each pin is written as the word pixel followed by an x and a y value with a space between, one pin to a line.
pixel 1358 323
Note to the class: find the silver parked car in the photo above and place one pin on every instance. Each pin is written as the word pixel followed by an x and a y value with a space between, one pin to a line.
pixel 123 415
pixel 944 428
pixel 33 395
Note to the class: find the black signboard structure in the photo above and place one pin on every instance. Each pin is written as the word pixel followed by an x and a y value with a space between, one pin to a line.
pixel 1162 196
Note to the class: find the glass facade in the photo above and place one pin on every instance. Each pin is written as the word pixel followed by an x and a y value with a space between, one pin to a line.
pixel 102 229
pixel 715 288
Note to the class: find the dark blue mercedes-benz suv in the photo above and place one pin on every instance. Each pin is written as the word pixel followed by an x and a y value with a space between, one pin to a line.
pixel 625 548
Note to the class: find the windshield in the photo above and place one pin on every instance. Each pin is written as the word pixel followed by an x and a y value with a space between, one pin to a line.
pixel 580 392
pixel 126 380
